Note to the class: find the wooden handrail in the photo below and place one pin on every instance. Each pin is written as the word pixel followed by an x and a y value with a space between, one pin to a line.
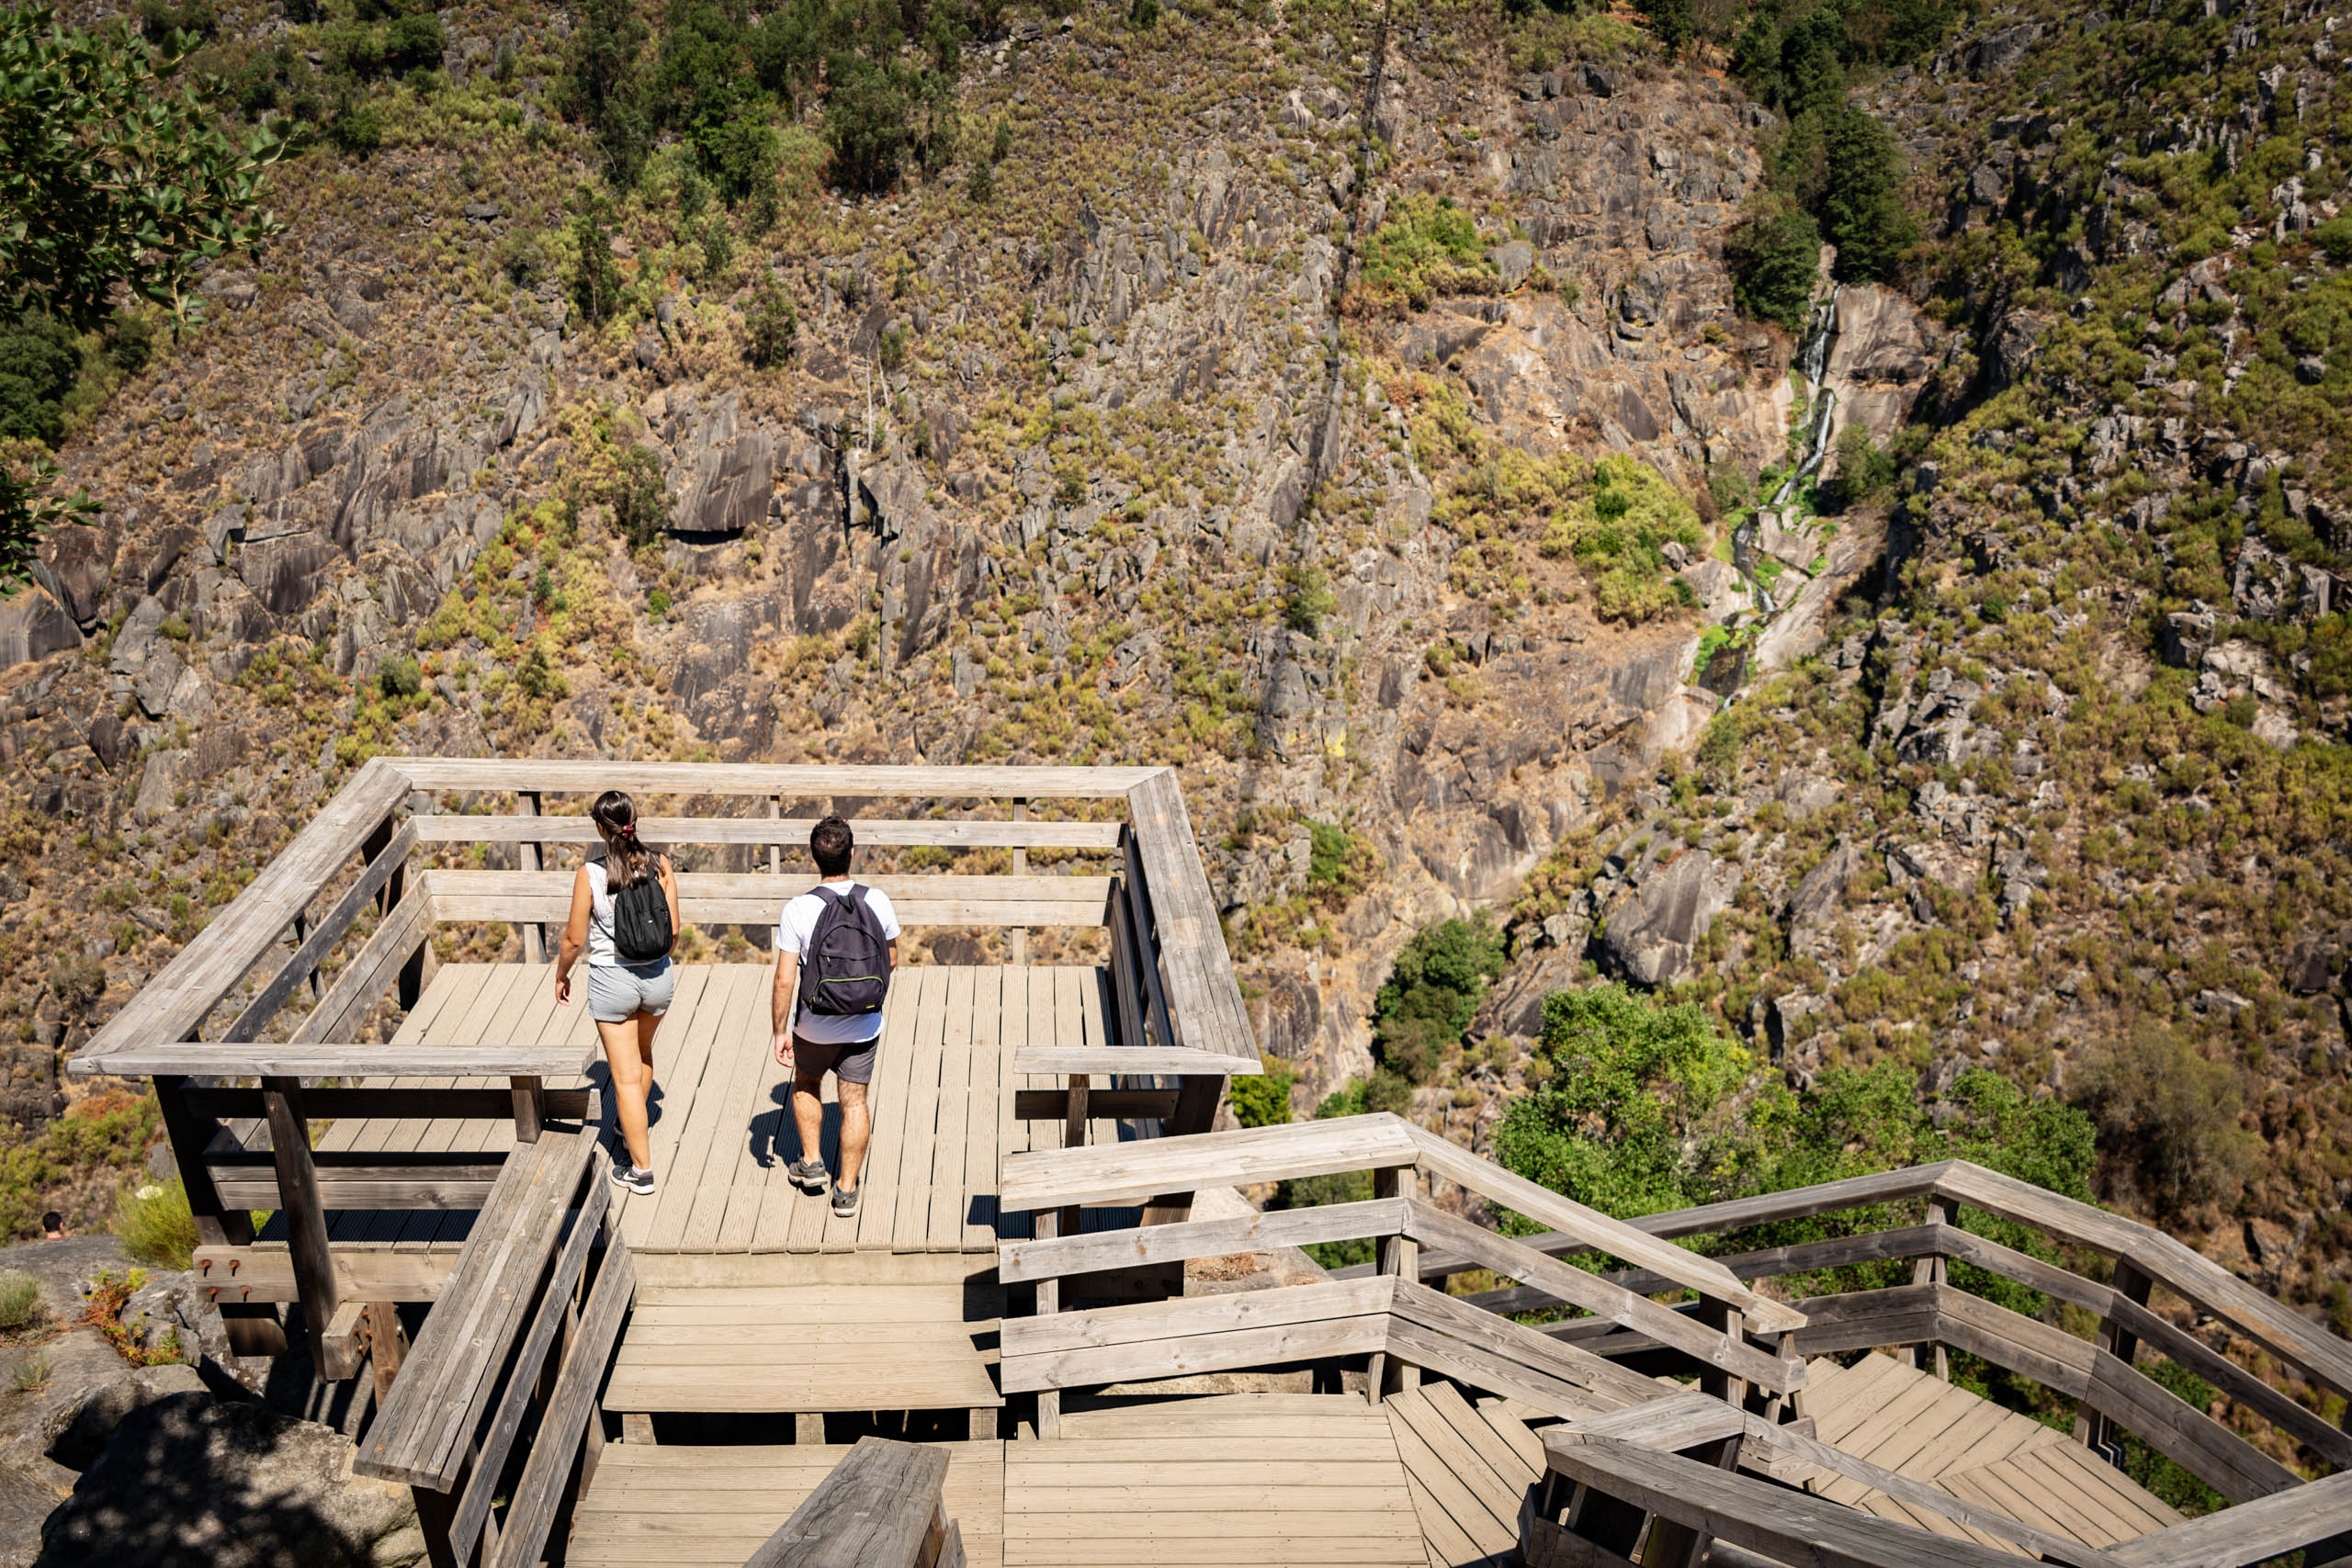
pixel 755 898
pixel 882 1506
pixel 172 1004
pixel 508 1333
pixel 2320 1512
pixel 795 780
pixel 952 832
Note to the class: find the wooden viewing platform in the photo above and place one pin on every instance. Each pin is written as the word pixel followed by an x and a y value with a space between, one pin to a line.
pixel 1034 1281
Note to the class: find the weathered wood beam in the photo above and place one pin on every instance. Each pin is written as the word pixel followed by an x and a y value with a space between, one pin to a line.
pixel 774 830
pixel 351 1104
pixel 886 782
pixel 306 1218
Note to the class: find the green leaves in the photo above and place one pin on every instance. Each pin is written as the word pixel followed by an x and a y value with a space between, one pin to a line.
pixel 112 176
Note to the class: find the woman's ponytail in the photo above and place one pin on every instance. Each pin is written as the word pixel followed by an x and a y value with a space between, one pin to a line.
pixel 627 861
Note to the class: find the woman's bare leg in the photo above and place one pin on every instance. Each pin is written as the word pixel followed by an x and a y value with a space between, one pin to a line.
pixel 628 1052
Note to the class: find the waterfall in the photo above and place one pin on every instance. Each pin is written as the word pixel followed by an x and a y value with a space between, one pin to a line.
pixel 1813 359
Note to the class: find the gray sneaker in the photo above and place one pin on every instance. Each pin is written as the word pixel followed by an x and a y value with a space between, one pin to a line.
pixel 638 1181
pixel 844 1203
pixel 809 1175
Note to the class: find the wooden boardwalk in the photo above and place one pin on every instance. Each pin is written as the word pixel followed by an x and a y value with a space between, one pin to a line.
pixel 1469 1468
pixel 793 1349
pixel 686 1507
pixel 941 1101
pixel 1226 1481
pixel 1903 1419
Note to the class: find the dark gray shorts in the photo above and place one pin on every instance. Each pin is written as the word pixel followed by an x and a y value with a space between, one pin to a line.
pixel 854 1062
pixel 618 992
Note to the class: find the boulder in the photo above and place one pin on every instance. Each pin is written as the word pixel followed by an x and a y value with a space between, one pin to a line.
pixel 1813 908
pixel 81 567
pixel 1722 593
pixel 1651 934
pixel 189 1480
pixel 33 625
pixel 1514 259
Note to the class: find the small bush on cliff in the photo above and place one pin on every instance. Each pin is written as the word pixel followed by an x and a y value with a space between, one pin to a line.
pixel 1432 993
pixel 1264 1101
pixel 1427 246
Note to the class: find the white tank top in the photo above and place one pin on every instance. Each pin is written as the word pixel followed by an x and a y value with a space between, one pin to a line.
pixel 600 952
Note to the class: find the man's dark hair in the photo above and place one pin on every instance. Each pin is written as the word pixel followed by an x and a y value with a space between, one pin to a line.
pixel 830 841
pixel 52 1221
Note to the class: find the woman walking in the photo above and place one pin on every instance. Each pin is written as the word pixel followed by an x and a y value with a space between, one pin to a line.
pixel 624 913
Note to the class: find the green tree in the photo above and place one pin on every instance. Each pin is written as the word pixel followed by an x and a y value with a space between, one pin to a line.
pixel 1775 258
pixel 603 86
pixel 113 173
pixel 1670 24
pixel 595 278
pixel 1622 1120
pixel 1861 202
pixel 39 358
pixel 769 326
pixel 868 120
pixel 1432 993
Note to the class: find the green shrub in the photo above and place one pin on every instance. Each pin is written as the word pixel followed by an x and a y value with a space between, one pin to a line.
pixel 1309 599
pixel 979 186
pixel 400 677
pixel 1862 204
pixel 158 20
pixel 1432 993
pixel 1339 865
pixel 770 326
pixel 1424 246
pixel 2334 239
pixel 2169 1118
pixel 156 1225
pixel 1670 22
pixel 717 249
pixel 40 356
pixel 639 499
pixel 20 1302
pixel 1263 1101
pixel 1865 469
pixel 356 128
pixel 868 121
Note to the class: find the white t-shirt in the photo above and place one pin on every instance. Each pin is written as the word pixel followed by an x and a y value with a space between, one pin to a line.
pixel 793 934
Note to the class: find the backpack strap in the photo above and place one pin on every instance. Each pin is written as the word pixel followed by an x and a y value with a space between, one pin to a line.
pixel 800 990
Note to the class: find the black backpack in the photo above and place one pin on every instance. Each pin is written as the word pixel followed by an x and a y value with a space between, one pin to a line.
pixel 641 931
pixel 846 970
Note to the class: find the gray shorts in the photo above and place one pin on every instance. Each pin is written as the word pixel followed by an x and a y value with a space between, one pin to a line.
pixel 618 992
pixel 851 1062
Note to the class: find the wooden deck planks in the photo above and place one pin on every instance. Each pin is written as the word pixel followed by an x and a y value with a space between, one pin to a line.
pixel 721 1132
pixel 712 1507
pixel 785 1350
pixel 1904 1419
pixel 1226 1481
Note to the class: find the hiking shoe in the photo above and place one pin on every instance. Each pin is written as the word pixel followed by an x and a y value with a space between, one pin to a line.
pixel 809 1175
pixel 638 1181
pixel 844 1203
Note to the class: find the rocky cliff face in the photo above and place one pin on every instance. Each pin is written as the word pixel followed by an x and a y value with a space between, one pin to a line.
pixel 1094 469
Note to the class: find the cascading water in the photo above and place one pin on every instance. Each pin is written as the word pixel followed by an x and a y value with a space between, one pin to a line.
pixel 1813 360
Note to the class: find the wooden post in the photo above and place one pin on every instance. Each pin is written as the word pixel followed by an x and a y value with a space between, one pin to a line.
pixel 387 1347
pixel 776 850
pixel 191 1134
pixel 1932 1271
pixel 306 1220
pixel 1400 1257
pixel 1676 1545
pixel 387 898
pixel 636 1426
pixel 534 936
pixel 2093 1429
pixel 302 930
pixel 1732 1391
pixel 1047 1224
pixel 1019 868
pixel 530 1107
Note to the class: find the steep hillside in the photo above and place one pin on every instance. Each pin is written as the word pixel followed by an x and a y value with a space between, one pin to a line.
pixel 1940 665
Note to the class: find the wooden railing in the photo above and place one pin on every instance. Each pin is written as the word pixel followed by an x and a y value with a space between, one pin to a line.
pixel 520 1339
pixel 1934 1312
pixel 1179 1021
pixel 1665 1476
pixel 1392 1319
pixel 882 1506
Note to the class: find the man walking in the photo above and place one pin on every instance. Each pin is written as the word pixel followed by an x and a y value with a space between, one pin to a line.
pixel 834 950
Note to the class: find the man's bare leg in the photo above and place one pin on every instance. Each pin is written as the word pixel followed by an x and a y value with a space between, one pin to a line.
pixel 808 1113
pixel 857 1128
